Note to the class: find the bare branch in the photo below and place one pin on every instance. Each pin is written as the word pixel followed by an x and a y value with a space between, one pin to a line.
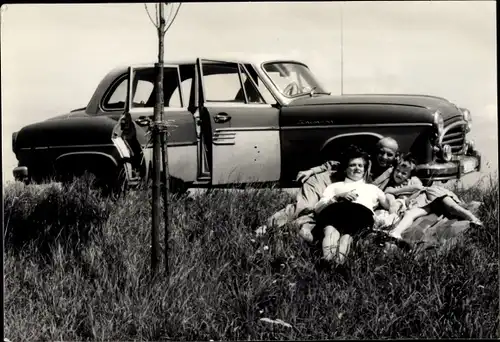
pixel 175 15
pixel 170 12
pixel 149 15
pixel 157 15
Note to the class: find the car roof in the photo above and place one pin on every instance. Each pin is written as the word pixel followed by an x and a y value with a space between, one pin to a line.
pixel 255 60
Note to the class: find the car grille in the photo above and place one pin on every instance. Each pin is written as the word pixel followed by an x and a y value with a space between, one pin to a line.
pixel 455 137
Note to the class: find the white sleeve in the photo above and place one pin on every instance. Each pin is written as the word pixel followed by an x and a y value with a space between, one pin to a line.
pixel 329 191
pixel 327 195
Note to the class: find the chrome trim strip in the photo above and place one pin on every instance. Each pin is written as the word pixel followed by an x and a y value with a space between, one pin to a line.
pixel 67 146
pixel 224 142
pixel 222 138
pixel 451 141
pixel 173 144
pixel 355 126
pixel 227 104
pixel 455 135
pixel 247 129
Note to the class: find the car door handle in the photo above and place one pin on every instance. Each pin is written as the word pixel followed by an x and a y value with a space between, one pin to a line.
pixel 222 117
pixel 143 121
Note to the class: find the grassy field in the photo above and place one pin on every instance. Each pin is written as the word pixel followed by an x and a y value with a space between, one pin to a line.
pixel 77 268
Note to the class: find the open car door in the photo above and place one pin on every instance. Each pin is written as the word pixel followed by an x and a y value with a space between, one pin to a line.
pixel 240 130
pixel 139 109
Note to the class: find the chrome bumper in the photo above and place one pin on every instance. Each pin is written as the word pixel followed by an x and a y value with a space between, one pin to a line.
pixel 454 169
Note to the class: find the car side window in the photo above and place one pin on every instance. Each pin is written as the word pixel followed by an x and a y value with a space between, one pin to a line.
pixel 231 82
pixel 221 82
pixel 115 99
pixel 264 91
pixel 144 90
pixel 251 92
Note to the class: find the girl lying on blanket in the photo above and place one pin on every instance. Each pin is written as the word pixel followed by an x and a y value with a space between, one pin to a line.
pixel 412 200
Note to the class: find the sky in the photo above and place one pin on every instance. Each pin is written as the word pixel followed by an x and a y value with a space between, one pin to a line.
pixel 54 55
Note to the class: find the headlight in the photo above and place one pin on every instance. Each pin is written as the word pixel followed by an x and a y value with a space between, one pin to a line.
pixel 438 122
pixel 467 117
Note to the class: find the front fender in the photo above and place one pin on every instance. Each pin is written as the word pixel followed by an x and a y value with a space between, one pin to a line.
pixel 367 140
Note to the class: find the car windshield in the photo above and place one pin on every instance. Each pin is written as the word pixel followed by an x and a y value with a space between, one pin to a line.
pixel 293 79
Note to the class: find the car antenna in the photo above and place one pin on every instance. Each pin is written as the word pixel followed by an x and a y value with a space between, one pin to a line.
pixel 341 51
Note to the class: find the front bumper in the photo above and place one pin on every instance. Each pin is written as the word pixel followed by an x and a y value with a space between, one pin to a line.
pixel 454 169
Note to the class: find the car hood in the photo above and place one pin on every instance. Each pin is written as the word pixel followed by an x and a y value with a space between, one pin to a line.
pixel 448 109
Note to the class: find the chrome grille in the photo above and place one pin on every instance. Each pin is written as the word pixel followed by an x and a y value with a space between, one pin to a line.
pixel 455 137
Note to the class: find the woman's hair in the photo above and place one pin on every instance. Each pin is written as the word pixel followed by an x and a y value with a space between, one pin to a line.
pixel 353 152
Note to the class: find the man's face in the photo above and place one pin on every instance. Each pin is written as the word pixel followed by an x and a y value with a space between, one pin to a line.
pixel 355 169
pixel 385 156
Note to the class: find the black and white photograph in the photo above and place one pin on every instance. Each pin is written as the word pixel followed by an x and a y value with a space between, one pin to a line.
pixel 217 171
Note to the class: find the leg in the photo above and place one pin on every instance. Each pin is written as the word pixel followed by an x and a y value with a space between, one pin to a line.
pixel 306 225
pixel 282 217
pixel 395 205
pixel 407 220
pixel 309 194
pixel 344 248
pixel 330 243
pixel 311 191
pixel 455 209
pixel 278 219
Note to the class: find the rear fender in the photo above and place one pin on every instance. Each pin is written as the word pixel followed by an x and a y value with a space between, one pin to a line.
pixel 103 163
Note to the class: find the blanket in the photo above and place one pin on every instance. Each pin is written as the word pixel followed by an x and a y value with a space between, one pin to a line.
pixel 431 230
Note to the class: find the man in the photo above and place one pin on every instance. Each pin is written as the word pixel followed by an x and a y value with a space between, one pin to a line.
pixel 316 180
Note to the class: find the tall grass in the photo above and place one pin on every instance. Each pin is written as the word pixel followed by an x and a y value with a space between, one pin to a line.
pixel 87 277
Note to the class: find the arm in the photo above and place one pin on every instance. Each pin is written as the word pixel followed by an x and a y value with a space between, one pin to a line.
pixel 328 166
pixel 393 204
pixel 327 198
pixel 384 200
pixel 408 189
pixel 414 185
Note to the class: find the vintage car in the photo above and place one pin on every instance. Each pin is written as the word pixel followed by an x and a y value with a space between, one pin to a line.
pixel 240 122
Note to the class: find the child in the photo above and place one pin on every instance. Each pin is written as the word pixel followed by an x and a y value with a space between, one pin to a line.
pixel 347 207
pixel 421 200
pixel 401 185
